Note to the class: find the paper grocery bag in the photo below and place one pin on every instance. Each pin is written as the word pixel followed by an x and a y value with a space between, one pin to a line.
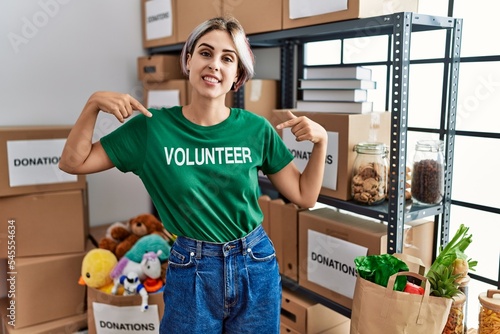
pixel 381 310
pixel 110 314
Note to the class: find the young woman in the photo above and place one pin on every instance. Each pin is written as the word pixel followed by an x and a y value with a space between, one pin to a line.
pixel 200 163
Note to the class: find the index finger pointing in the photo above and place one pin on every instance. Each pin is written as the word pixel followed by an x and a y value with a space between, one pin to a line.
pixel 290 116
pixel 139 107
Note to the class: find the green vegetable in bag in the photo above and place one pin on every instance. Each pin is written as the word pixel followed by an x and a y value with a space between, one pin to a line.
pixel 451 265
pixel 378 269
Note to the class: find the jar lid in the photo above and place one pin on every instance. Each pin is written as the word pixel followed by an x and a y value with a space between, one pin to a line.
pixel 490 300
pixel 459 299
pixel 430 145
pixel 370 148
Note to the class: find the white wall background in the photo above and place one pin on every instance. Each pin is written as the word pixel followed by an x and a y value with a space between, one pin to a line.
pixel 53 55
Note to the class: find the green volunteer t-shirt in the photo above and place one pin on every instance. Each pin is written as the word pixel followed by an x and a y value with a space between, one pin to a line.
pixel 203 180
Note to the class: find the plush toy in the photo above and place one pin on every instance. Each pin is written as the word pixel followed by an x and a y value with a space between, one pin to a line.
pixel 151 267
pixel 115 233
pixel 131 262
pixel 149 243
pixel 120 238
pixel 97 265
pixel 132 286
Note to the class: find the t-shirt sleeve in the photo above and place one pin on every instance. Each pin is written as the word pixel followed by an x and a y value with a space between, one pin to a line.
pixel 126 146
pixel 276 154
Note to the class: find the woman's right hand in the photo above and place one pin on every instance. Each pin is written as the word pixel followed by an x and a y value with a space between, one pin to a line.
pixel 120 105
pixel 80 155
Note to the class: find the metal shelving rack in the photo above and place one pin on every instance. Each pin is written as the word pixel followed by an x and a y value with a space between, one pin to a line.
pixel 399 27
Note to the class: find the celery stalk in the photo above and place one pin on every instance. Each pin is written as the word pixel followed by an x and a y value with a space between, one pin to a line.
pixel 440 274
pixel 454 249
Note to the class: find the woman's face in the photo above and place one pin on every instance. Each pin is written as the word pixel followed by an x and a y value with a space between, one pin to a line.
pixel 213 65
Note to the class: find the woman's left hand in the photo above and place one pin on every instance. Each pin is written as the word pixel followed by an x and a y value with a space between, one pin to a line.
pixel 304 128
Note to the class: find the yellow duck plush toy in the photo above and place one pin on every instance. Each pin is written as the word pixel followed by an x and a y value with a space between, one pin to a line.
pixel 97 264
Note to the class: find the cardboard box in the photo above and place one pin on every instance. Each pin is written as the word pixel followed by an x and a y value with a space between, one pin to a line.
pixel 276 231
pixel 305 316
pixel 261 97
pixel 269 13
pixel 344 132
pixel 159 68
pixel 355 9
pixel 418 240
pixel 343 328
pixel 284 234
pixel 43 224
pixel 329 241
pixel 96 296
pixel 45 288
pixel 66 325
pixel 96 233
pixel 29 158
pixel 286 330
pixel 175 92
pixel 191 13
pixel 159 22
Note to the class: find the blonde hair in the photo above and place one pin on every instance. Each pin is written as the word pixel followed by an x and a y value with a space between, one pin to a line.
pixel 246 58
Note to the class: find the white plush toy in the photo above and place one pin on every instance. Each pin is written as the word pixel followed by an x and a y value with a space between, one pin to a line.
pixel 151 267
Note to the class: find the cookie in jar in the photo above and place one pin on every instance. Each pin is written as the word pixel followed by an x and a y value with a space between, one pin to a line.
pixel 369 173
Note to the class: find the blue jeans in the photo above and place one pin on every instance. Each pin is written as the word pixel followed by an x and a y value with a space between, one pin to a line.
pixel 214 288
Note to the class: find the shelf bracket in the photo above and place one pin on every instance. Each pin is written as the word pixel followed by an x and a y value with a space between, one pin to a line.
pixel 399 123
pixel 451 116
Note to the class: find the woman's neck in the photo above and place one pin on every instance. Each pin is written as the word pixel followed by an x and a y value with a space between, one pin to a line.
pixel 206 112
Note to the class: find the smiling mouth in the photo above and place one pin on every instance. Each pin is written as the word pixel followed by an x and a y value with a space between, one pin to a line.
pixel 211 79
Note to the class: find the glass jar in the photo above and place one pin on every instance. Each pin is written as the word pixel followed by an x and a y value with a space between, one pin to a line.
pixel 489 312
pixel 427 176
pixel 369 173
pixel 463 285
pixel 455 321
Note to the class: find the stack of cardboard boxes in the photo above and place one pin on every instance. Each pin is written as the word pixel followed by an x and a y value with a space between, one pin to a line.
pixel 168 22
pixel 163 82
pixel 316 249
pixel 43 231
